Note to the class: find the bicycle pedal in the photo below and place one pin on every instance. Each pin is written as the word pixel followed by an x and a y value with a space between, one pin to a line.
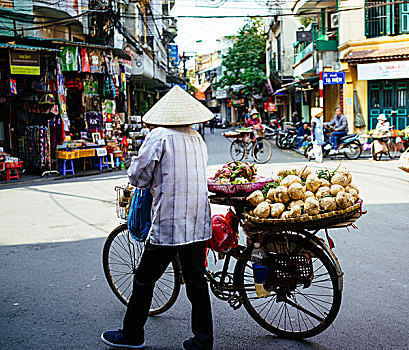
pixel 235 302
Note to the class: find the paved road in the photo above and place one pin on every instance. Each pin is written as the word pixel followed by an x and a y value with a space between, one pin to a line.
pixel 54 295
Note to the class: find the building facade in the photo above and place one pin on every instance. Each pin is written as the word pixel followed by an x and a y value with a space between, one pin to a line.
pixel 374 54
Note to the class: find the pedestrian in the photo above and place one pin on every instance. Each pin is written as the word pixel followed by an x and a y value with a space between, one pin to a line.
pixel 317 131
pixel 295 118
pixel 172 162
pixel 211 125
pixel 340 124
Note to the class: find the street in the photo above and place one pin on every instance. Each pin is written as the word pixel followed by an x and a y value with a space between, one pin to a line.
pixel 55 296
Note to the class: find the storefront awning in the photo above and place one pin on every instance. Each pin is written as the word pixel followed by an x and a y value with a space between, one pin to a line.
pixel 377 55
pixel 26 47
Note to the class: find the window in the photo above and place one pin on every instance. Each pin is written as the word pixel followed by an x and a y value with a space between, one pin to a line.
pixel 380 19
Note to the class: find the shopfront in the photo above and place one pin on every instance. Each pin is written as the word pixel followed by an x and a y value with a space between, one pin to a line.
pixel 388 91
pixel 57 101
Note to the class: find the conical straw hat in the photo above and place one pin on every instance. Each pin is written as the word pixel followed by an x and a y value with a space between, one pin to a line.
pixel 177 107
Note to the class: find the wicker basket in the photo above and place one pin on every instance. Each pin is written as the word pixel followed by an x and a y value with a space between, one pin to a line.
pixel 307 222
pixel 236 189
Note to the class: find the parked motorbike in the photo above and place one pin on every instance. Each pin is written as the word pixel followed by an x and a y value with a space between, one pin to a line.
pixel 287 139
pixel 348 145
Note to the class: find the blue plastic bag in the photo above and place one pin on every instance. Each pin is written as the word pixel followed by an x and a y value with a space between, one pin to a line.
pixel 139 216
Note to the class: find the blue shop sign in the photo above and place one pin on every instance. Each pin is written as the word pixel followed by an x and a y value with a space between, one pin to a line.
pixel 332 78
pixel 183 86
pixel 174 54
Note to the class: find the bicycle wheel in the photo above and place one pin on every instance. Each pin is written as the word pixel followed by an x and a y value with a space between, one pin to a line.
pixel 262 151
pixel 292 310
pixel 120 259
pixel 280 141
pixel 237 150
pixel 307 150
pixel 375 156
pixel 353 150
pixel 392 149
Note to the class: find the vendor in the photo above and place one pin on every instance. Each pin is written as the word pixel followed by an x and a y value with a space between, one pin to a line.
pixel 382 127
pixel 254 120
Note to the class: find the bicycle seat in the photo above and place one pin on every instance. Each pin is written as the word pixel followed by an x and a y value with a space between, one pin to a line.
pixel 344 138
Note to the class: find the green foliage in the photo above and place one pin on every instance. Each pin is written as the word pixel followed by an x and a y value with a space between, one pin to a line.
pixel 245 61
pixel 305 21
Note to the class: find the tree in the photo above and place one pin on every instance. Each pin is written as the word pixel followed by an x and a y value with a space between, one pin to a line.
pixel 245 62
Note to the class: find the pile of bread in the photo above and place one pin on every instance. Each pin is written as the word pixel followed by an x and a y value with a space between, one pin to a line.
pixel 304 194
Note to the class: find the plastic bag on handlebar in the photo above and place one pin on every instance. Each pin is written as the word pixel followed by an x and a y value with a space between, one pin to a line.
pixel 139 217
pixel 224 232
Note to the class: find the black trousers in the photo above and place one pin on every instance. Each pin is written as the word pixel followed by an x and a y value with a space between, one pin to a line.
pixel 154 262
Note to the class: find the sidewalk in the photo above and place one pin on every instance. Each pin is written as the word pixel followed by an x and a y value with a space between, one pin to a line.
pixel 26 179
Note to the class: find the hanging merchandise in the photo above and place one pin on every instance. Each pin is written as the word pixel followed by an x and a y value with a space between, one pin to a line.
pixel 90 87
pixel 85 66
pixel 94 61
pixel 103 60
pixel 37 147
pixel 61 90
pixel 69 59
pixel 13 86
pixel 108 107
pixel 94 120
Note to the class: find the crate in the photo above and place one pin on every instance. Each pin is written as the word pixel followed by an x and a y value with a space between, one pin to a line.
pixel 13 165
pixel 82 153
pixel 67 155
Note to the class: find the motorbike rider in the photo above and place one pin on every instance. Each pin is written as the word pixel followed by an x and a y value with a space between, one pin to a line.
pixel 340 124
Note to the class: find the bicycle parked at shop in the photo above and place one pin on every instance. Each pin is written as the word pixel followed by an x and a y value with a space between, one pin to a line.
pixel 302 295
pixel 247 141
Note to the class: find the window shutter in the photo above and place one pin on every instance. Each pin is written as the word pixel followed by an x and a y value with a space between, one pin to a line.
pixel 389 20
pixel 404 18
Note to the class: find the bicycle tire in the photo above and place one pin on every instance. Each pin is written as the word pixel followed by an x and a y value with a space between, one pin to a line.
pixel 356 150
pixel 375 156
pixel 307 150
pixel 293 322
pixel 392 149
pixel 237 150
pixel 120 259
pixel 265 149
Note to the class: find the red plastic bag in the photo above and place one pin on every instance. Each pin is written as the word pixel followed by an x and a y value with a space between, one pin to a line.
pixel 224 232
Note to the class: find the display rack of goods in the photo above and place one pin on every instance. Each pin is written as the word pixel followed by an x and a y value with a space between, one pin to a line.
pixel 305 199
pixel 236 178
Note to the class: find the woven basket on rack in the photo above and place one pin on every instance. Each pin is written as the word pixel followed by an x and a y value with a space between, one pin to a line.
pixel 236 189
pixel 307 222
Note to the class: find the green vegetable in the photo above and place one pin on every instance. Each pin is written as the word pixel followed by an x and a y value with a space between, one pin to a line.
pixel 326 174
pixel 269 186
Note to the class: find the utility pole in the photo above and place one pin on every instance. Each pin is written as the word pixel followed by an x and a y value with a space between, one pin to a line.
pixel 184 58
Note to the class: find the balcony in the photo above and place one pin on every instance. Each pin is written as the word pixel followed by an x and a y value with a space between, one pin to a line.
pixel 56 9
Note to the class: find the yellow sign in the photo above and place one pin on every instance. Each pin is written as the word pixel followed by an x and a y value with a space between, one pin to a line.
pixel 24 62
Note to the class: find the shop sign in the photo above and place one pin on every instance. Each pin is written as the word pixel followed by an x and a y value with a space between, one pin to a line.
pixel 270 106
pixel 212 103
pixel 333 78
pixel 173 54
pixel 128 64
pixel 24 62
pixel 183 86
pixel 221 93
pixel 101 152
pixel 281 100
pixel 383 70
pixel 238 102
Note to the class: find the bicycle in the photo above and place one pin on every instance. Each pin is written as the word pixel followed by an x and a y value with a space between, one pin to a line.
pixel 304 296
pixel 389 147
pixel 243 145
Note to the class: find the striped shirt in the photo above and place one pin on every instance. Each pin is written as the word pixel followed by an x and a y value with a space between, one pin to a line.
pixel 172 162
